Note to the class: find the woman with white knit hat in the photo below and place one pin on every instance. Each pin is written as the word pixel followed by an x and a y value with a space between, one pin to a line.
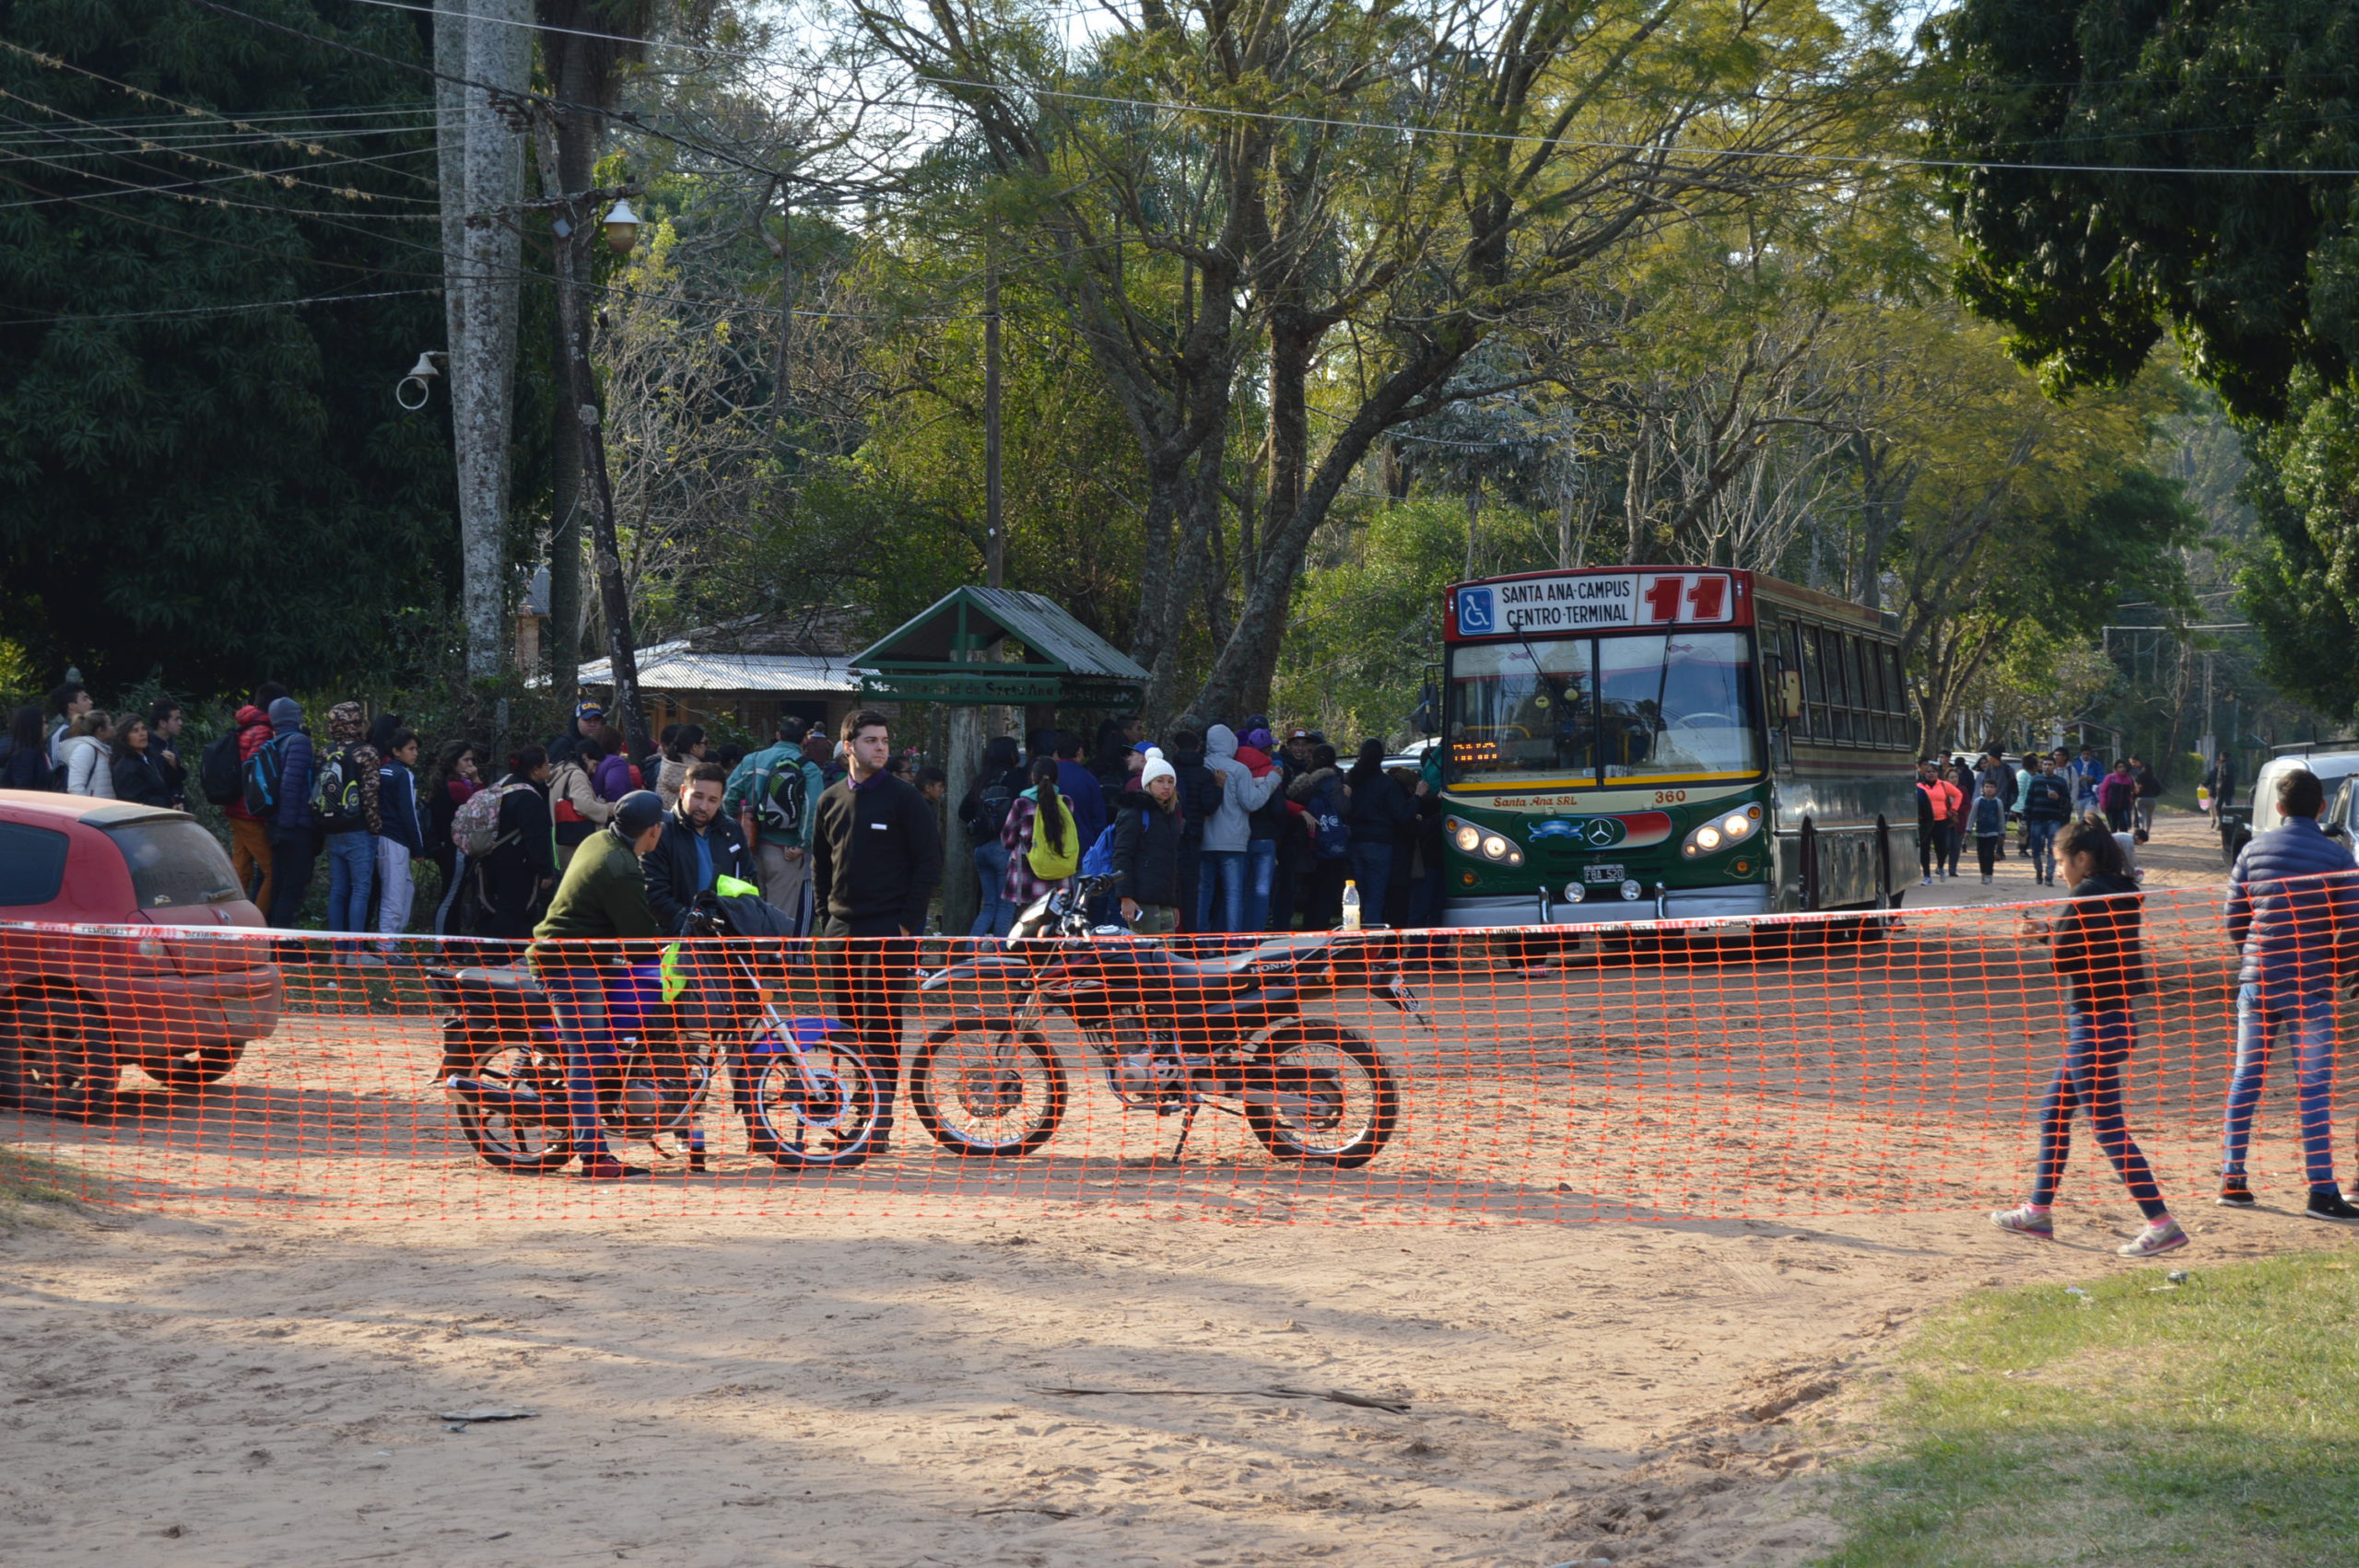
pixel 1146 849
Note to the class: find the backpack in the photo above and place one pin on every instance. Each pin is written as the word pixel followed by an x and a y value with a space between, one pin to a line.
pixel 992 801
pixel 336 794
pixel 781 811
pixel 1047 863
pixel 475 826
pixel 1333 840
pixel 1099 861
pixel 219 775
pixel 258 776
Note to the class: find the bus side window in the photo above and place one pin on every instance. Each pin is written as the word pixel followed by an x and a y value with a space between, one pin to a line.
pixel 1899 695
pixel 1813 686
pixel 1838 694
pixel 1871 660
pixel 1865 729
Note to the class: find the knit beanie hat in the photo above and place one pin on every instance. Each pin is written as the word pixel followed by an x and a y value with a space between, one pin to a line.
pixel 1157 768
pixel 286 710
pixel 637 812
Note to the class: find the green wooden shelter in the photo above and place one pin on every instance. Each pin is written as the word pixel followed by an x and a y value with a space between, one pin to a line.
pixel 955 652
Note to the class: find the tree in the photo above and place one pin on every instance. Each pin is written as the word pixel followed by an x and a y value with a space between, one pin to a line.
pixel 201 467
pixel 2085 253
pixel 2301 581
pixel 1253 226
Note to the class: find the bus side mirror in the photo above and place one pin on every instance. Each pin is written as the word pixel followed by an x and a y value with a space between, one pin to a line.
pixel 1424 721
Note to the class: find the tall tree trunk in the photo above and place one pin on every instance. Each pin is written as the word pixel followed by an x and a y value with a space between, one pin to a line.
pixel 451 166
pixel 483 363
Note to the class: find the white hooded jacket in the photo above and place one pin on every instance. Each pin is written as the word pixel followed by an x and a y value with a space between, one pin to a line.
pixel 1242 793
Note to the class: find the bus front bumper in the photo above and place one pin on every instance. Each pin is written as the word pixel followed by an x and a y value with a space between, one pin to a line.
pixel 1612 909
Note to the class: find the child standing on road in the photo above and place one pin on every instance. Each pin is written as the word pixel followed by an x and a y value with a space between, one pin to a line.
pixel 2097 952
pixel 1990 825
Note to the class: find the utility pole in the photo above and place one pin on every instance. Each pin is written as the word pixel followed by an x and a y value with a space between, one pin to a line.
pixel 994 533
pixel 496 52
pixel 580 395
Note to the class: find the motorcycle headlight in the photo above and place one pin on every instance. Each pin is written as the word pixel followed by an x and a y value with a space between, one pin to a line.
pixel 1722 831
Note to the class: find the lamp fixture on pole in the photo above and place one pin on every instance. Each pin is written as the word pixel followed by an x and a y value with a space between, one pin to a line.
pixel 622 229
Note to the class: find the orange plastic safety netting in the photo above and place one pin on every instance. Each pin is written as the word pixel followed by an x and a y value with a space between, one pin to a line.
pixel 1783 1068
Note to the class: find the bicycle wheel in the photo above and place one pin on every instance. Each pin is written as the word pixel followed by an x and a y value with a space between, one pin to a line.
pixel 814 1108
pixel 980 1088
pixel 1321 1093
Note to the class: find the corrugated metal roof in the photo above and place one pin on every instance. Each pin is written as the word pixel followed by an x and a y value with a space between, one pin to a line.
pixel 1047 629
pixel 672 667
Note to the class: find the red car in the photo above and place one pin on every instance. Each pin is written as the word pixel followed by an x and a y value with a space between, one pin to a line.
pixel 77 1009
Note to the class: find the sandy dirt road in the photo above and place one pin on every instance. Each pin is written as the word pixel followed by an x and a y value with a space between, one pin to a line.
pixel 888 1369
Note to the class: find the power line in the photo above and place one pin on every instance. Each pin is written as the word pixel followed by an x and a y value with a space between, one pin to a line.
pixel 216 309
pixel 1873 160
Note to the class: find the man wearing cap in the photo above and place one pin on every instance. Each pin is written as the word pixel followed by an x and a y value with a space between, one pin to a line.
pixel 604 897
pixel 588 719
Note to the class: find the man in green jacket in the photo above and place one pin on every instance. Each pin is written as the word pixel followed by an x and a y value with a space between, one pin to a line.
pixel 603 898
pixel 773 796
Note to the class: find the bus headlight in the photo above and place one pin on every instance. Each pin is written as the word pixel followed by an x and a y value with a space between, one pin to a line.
pixel 1472 840
pixel 1722 832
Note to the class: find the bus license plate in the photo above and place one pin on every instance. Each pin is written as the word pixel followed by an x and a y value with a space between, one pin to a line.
pixel 1594 875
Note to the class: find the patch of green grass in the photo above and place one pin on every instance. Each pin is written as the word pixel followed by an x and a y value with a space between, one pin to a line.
pixel 2216 1424
pixel 30 1184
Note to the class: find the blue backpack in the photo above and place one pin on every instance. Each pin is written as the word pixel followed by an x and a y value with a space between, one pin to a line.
pixel 1098 859
pixel 1326 810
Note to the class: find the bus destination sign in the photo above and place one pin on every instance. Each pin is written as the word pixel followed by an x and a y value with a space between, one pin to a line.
pixel 1591 601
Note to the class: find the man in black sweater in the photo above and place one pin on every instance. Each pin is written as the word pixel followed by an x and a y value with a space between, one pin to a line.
pixel 876 857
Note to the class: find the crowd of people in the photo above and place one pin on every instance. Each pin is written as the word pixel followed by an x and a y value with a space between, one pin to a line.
pixel 1976 798
pixel 1218 830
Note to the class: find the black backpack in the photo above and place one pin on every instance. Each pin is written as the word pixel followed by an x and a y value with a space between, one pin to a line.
pixel 993 800
pixel 218 774
pixel 335 794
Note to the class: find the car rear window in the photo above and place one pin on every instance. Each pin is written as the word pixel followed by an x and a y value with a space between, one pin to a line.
pixel 32 864
pixel 174 864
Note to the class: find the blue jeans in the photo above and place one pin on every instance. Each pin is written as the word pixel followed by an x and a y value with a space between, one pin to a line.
pixel 352 865
pixel 2039 839
pixel 2310 1019
pixel 1220 891
pixel 1260 872
pixel 578 993
pixel 1372 869
pixel 994 914
pixel 2088 1080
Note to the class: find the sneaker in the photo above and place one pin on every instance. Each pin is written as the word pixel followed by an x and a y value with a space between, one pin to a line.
pixel 2026 1222
pixel 2162 1237
pixel 1986 882
pixel 2329 1206
pixel 2234 1193
pixel 610 1169
pixel 1928 881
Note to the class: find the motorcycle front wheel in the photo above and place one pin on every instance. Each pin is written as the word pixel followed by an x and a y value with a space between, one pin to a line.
pixel 1321 1093
pixel 813 1110
pixel 980 1088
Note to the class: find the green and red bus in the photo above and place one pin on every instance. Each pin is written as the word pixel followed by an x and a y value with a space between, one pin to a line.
pixel 1636 743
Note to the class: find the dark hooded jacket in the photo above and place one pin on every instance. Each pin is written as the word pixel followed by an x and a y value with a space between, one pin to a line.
pixel 1147 835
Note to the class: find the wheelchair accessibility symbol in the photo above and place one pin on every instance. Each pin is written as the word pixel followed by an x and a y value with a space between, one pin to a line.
pixel 1474 612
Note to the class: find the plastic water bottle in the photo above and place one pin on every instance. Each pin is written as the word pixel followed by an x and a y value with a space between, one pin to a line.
pixel 1351 906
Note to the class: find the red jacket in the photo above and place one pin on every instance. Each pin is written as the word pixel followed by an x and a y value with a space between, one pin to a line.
pixel 253 732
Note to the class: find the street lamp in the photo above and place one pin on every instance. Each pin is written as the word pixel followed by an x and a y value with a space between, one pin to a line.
pixel 622 229
pixel 422 373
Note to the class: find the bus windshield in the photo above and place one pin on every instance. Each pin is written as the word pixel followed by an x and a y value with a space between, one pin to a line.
pixel 1637 709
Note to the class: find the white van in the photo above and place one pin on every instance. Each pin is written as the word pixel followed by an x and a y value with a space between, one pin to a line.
pixel 2333 768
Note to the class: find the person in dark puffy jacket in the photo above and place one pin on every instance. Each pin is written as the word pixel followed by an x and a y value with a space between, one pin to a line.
pixel 1377 809
pixel 137 773
pixel 2100 956
pixel 28 764
pixel 2294 911
pixel 1146 850
pixel 293 844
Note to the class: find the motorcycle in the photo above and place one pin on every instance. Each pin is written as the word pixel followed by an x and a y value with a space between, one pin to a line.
pixel 807 1096
pixel 1172 1034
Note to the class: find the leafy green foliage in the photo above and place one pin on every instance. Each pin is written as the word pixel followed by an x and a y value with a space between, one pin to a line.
pixel 2086 264
pixel 2300 582
pixel 230 492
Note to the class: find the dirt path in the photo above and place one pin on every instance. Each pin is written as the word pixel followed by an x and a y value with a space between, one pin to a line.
pixel 868 1370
